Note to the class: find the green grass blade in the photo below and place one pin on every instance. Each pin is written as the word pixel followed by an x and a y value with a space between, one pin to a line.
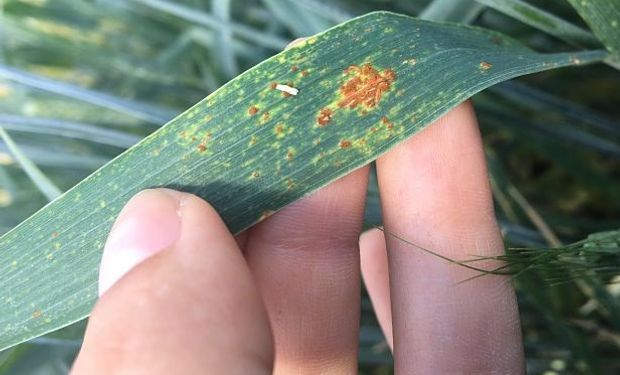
pixel 44 156
pixel 226 55
pixel 207 20
pixel 139 110
pixel 250 150
pixel 543 21
pixel 44 184
pixel 70 129
pixel 463 11
pixel 603 17
pixel 291 14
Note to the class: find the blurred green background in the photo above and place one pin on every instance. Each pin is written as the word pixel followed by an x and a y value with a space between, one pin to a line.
pixel 80 81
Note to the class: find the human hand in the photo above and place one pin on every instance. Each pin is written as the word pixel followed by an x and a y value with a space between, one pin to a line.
pixel 182 296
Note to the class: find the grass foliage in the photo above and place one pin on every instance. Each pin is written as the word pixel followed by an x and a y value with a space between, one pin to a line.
pixel 80 81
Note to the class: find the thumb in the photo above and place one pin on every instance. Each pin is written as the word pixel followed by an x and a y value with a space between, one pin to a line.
pixel 178 295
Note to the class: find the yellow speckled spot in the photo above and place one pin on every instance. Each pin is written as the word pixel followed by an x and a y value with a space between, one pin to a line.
pixel 5 198
pixel 485 65
pixel 5 90
pixel 14 263
pixel 290 153
pixel 5 159
pixel 56 245
pixel 290 183
pixel 254 175
pixel 281 130
pixel 102 204
pixel 265 214
pixel 253 140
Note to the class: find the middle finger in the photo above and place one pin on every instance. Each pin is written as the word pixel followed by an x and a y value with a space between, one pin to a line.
pixel 305 259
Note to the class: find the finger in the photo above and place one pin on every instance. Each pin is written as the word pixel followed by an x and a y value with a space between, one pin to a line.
pixel 435 193
pixel 306 262
pixel 374 261
pixel 242 239
pixel 188 309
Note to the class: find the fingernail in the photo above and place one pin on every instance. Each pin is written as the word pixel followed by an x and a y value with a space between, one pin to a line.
pixel 149 223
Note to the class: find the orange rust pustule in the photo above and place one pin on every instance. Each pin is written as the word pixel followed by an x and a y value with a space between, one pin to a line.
pixel 365 87
pixel 485 65
pixel 273 85
pixel 279 129
pixel 324 117
pixel 202 148
pixel 345 143
pixel 252 110
pixel 294 68
pixel 387 122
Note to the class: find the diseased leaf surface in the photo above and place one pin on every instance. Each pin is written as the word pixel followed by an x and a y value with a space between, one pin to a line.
pixel 603 17
pixel 250 148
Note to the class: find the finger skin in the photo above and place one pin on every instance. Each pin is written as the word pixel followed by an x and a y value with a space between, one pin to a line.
pixel 190 309
pixel 374 262
pixel 435 193
pixel 306 262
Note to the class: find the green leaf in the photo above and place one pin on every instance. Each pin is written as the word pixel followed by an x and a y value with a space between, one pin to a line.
pixel 603 17
pixel 464 11
pixel 364 86
pixel 544 21
pixel 205 19
pixel 138 110
pixel 41 181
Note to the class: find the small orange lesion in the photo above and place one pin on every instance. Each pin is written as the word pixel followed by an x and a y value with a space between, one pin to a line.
pixel 253 110
pixel 304 73
pixel 279 130
pixel 253 140
pixel 266 116
pixel 37 314
pixel 324 117
pixel 485 65
pixel 273 85
pixel 366 86
pixel 388 124
pixel 202 146
pixel 294 68
pixel 54 234
pixel 344 143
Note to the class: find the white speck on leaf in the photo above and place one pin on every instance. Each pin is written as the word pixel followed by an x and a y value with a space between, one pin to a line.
pixel 287 89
